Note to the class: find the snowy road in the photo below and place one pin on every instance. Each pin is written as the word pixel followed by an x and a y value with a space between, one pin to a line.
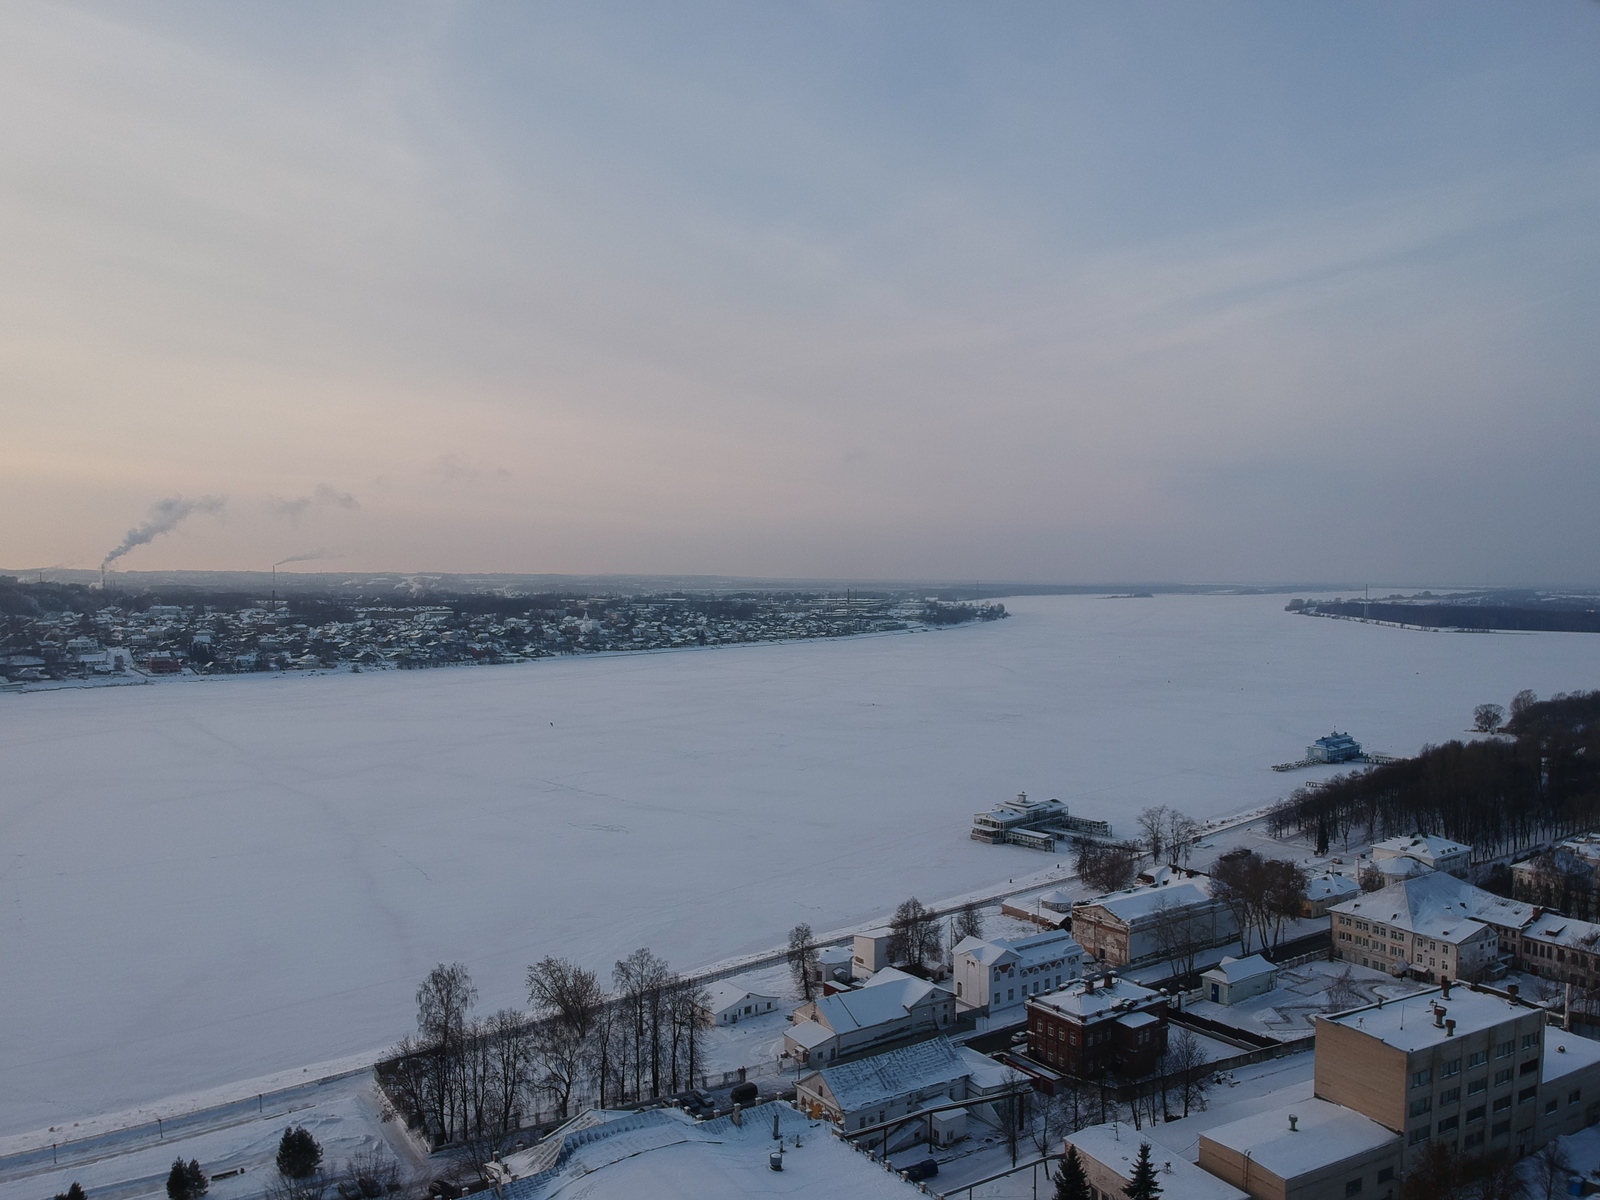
pixel 214 880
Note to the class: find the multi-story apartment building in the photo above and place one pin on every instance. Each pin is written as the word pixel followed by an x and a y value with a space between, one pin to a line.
pixel 1434 926
pixel 1468 1067
pixel 1098 1026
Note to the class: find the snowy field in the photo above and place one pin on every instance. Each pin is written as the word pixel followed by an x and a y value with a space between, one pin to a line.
pixel 211 880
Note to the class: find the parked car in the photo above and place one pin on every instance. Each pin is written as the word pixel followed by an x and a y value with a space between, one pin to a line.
pixel 918 1171
pixel 744 1093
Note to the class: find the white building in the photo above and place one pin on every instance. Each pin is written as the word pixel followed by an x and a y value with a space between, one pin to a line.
pixel 888 1007
pixel 1236 979
pixel 998 975
pixel 928 1074
pixel 1435 853
pixel 728 1004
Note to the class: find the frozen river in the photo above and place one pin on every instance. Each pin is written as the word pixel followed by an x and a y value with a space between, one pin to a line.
pixel 211 880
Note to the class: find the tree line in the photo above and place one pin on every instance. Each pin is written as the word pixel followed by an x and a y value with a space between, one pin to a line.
pixel 1539 780
pixel 471 1080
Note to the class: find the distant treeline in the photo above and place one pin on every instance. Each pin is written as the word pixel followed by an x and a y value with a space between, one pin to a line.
pixel 1496 795
pixel 1548 619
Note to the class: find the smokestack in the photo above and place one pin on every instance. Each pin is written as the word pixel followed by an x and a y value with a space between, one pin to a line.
pixel 1444 986
pixel 1438 1017
pixel 1512 990
pixel 1294 1123
pixel 1450 1027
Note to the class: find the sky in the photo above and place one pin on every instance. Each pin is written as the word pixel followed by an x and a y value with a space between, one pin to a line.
pixel 1059 292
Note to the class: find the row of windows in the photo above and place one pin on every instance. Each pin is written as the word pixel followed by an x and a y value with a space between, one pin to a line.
pixel 1353 1187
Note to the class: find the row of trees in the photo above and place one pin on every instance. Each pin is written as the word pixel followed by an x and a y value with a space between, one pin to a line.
pixel 1497 795
pixel 471 1080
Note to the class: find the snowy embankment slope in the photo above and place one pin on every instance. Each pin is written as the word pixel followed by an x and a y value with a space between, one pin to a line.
pixel 213 881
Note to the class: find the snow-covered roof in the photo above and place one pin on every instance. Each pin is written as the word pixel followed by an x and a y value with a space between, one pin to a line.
pixel 1233 970
pixel 808 1035
pixel 1423 846
pixel 1328 1134
pixel 1136 903
pixel 983 951
pixel 723 996
pixel 1033 948
pixel 664 1153
pixel 987 1075
pixel 835 954
pixel 1076 1000
pixel 884 1077
pixel 888 996
pixel 1437 905
pixel 1138 1020
pixel 1564 931
pixel 1116 1147
pixel 1409 1024
pixel 1330 886
pixel 1565 1053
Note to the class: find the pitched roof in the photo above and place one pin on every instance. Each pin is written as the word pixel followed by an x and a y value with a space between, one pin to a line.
pixel 885 1077
pixel 1232 970
pixel 1437 905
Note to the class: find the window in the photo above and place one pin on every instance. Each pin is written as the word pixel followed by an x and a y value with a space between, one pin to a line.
pixel 1529 1067
pixel 1502 1104
pixel 1474 1115
pixel 1552 1104
pixel 1472 1140
pixel 1353 1188
pixel 1527 1094
pixel 1529 1039
pixel 1477 1087
pixel 1500 1128
pixel 1418 1107
pixel 1420 1135
pixel 1385 1175
pixel 1502 1077
pixel 1477 1058
pixel 1449 1096
pixel 1449 1123
pixel 1421 1078
pixel 1453 1067
pixel 1574 1095
pixel 1504 1049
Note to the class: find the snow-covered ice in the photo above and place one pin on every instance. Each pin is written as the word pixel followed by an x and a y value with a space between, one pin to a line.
pixel 213 880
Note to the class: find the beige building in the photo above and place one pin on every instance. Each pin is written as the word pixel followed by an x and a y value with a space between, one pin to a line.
pixel 1434 927
pixel 1108 1153
pixel 889 1007
pixel 1465 1067
pixel 1315 1151
pixel 1140 925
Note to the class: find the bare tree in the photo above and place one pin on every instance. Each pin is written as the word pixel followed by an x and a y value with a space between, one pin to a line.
pixel 640 980
pixel 913 934
pixel 1105 867
pixel 569 999
pixel 1180 934
pixel 1371 879
pixel 802 957
pixel 1183 832
pixel 1551 1165
pixel 371 1173
pixel 1189 1068
pixel 1486 718
pixel 690 1013
pixel 1153 826
pixel 1342 991
pixel 443 1002
pixel 1522 702
pixel 969 922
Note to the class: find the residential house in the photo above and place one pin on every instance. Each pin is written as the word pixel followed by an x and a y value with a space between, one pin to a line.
pixel 1327 889
pixel 996 976
pixel 1098 1026
pixel 727 1004
pixel 870 1091
pixel 889 1007
pixel 1434 926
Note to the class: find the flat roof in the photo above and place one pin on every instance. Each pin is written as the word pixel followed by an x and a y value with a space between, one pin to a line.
pixel 1408 1024
pixel 1327 1134
pixel 1565 1053
pixel 1117 1146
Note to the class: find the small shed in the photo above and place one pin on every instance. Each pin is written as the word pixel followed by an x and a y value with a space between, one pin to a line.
pixel 1236 979
pixel 728 1004
pixel 949 1127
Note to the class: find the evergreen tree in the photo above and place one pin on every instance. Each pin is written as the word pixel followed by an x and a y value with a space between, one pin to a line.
pixel 1144 1185
pixel 299 1156
pixel 75 1192
pixel 1071 1182
pixel 186 1181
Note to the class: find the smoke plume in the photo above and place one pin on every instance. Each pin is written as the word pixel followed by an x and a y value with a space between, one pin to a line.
pixel 308 556
pixel 324 496
pixel 165 516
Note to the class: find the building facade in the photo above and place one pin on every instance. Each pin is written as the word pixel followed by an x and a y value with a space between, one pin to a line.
pixel 997 975
pixel 1098 1026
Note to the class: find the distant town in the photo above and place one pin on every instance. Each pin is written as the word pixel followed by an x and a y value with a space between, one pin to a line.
pixel 52 633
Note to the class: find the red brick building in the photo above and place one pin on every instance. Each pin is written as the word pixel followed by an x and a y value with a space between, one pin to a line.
pixel 1098 1026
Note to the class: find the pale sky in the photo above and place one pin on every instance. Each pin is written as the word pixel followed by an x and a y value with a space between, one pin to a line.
pixel 1031 291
